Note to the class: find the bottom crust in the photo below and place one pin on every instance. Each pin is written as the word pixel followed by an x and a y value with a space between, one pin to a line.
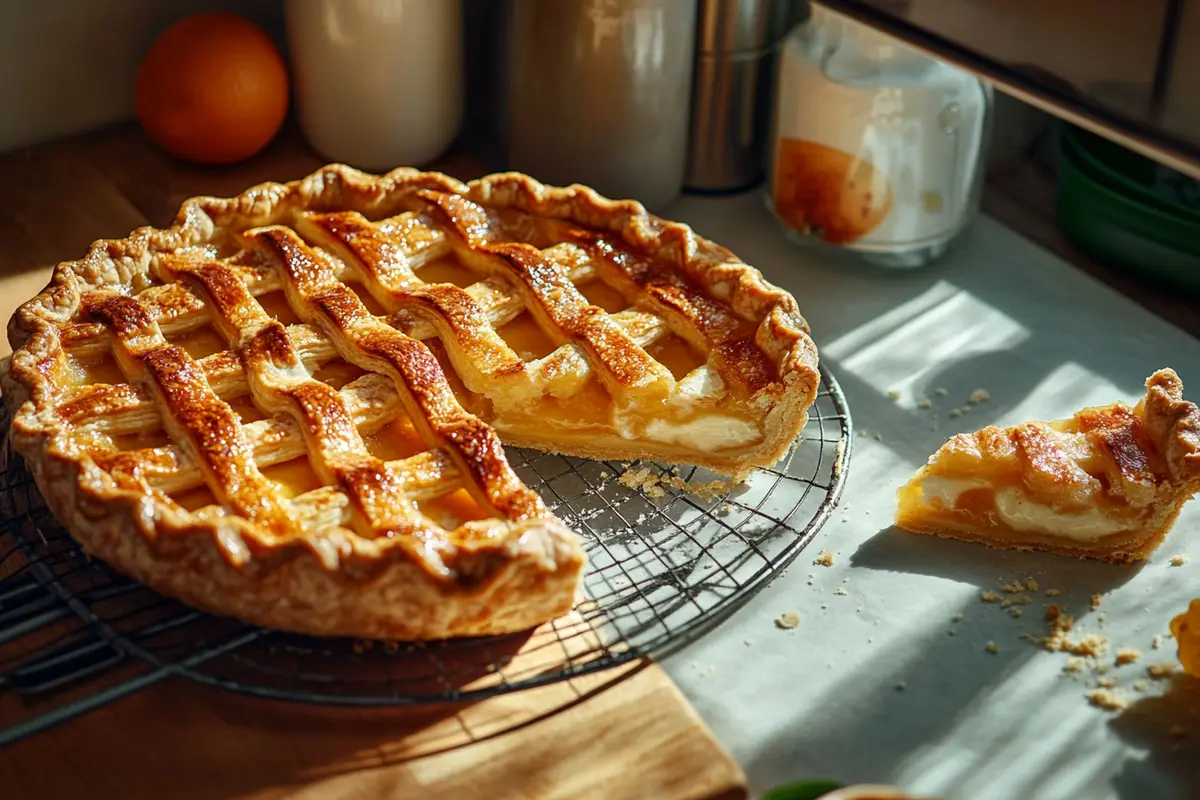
pixel 1124 548
pixel 533 575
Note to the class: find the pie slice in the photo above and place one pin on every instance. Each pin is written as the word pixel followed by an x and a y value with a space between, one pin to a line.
pixel 289 406
pixel 1107 483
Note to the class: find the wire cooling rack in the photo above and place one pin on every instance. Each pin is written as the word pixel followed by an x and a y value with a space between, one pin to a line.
pixel 671 554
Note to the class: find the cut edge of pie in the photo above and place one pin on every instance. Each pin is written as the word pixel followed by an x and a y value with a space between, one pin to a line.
pixel 513 569
pixel 1107 483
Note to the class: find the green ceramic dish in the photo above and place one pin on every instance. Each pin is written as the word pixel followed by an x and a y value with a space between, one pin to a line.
pixel 1124 229
pixel 1132 175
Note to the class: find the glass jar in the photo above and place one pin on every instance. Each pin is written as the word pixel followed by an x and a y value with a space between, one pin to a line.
pixel 876 148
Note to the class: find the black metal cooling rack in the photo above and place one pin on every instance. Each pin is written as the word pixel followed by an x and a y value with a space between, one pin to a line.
pixel 667 562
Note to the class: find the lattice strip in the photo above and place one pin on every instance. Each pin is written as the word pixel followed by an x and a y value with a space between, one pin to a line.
pixel 281 385
pixel 627 370
pixel 319 298
pixel 192 412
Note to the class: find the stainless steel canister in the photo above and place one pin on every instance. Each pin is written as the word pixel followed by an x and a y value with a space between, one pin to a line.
pixel 737 44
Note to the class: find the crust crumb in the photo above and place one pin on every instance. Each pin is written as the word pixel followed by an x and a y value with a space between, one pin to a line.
pixel 925 402
pixel 1140 685
pixel 1016 587
pixel 956 618
pixel 1053 593
pixel 990 597
pixel 1127 655
pixel 1017 600
pixel 1097 599
pixel 893 394
pixel 1178 731
pixel 979 396
pixel 1106 683
pixel 825 559
pixel 1108 699
pixel 787 620
pixel 1161 672
pixel 840 591
pixel 940 392
pixel 643 480
pixel 1015 611
pixel 1074 664
pixel 992 648
pixel 1178 560
pixel 1156 643
pixel 1031 585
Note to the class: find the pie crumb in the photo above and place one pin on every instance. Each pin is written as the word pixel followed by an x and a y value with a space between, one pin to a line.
pixel 1140 685
pixel 1097 599
pixel 1178 731
pixel 979 396
pixel 1031 585
pixel 1015 611
pixel 1178 560
pixel 1016 587
pixel 1108 699
pixel 894 394
pixel 1127 655
pixel 840 591
pixel 992 648
pixel 956 618
pixel 1074 664
pixel 1017 600
pixel 955 413
pixel 990 597
pixel 940 392
pixel 878 436
pixel 787 620
pixel 1106 683
pixel 825 559
pixel 1160 672
pixel 1156 643
pixel 925 402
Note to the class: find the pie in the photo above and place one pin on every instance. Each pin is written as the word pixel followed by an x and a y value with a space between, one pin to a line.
pixel 289 406
pixel 1107 483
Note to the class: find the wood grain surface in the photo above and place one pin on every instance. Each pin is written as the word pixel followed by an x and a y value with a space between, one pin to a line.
pixel 623 733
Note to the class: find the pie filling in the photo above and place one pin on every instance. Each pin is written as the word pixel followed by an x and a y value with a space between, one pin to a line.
pixel 1013 507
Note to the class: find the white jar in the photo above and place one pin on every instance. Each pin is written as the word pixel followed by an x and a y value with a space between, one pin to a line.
pixel 877 148
pixel 378 82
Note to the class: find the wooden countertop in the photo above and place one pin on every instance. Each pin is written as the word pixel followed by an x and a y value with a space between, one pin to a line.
pixel 626 732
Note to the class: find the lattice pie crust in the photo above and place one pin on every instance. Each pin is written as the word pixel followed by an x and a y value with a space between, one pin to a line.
pixel 288 407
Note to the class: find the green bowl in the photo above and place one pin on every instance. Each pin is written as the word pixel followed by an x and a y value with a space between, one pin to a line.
pixel 1135 176
pixel 1123 230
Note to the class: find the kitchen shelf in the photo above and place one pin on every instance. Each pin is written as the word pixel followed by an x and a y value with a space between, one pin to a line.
pixel 1127 71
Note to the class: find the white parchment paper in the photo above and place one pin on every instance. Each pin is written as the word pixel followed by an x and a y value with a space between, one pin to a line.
pixel 880 684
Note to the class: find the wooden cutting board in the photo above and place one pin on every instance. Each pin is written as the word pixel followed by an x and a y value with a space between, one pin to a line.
pixel 623 733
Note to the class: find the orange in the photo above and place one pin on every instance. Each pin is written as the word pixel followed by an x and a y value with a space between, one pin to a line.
pixel 212 89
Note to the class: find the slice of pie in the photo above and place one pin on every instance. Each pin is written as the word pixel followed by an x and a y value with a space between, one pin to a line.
pixel 1107 483
pixel 289 406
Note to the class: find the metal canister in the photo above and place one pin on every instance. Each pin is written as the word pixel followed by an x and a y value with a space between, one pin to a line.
pixel 737 44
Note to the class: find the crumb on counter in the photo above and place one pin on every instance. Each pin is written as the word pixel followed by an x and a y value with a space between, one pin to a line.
pixel 1156 642
pixel 940 392
pixel 979 396
pixel 1161 672
pixel 878 436
pixel 1106 683
pixel 992 648
pixel 825 559
pixel 840 591
pixel 1074 664
pixel 1127 655
pixel 787 620
pixel 925 402
pixel 1178 560
pixel 1108 699
pixel 1052 593
pixel 1178 732
pixel 1015 612
pixel 1016 600
pixel 1097 599
pixel 893 394
pixel 1031 585
pixel 956 618
pixel 1016 587
pixel 955 413
pixel 990 597
pixel 1140 685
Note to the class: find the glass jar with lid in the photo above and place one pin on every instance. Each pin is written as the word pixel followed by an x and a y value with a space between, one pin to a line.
pixel 876 148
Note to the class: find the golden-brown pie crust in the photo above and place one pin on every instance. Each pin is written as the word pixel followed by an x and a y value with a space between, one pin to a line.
pixel 1135 466
pixel 357 556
